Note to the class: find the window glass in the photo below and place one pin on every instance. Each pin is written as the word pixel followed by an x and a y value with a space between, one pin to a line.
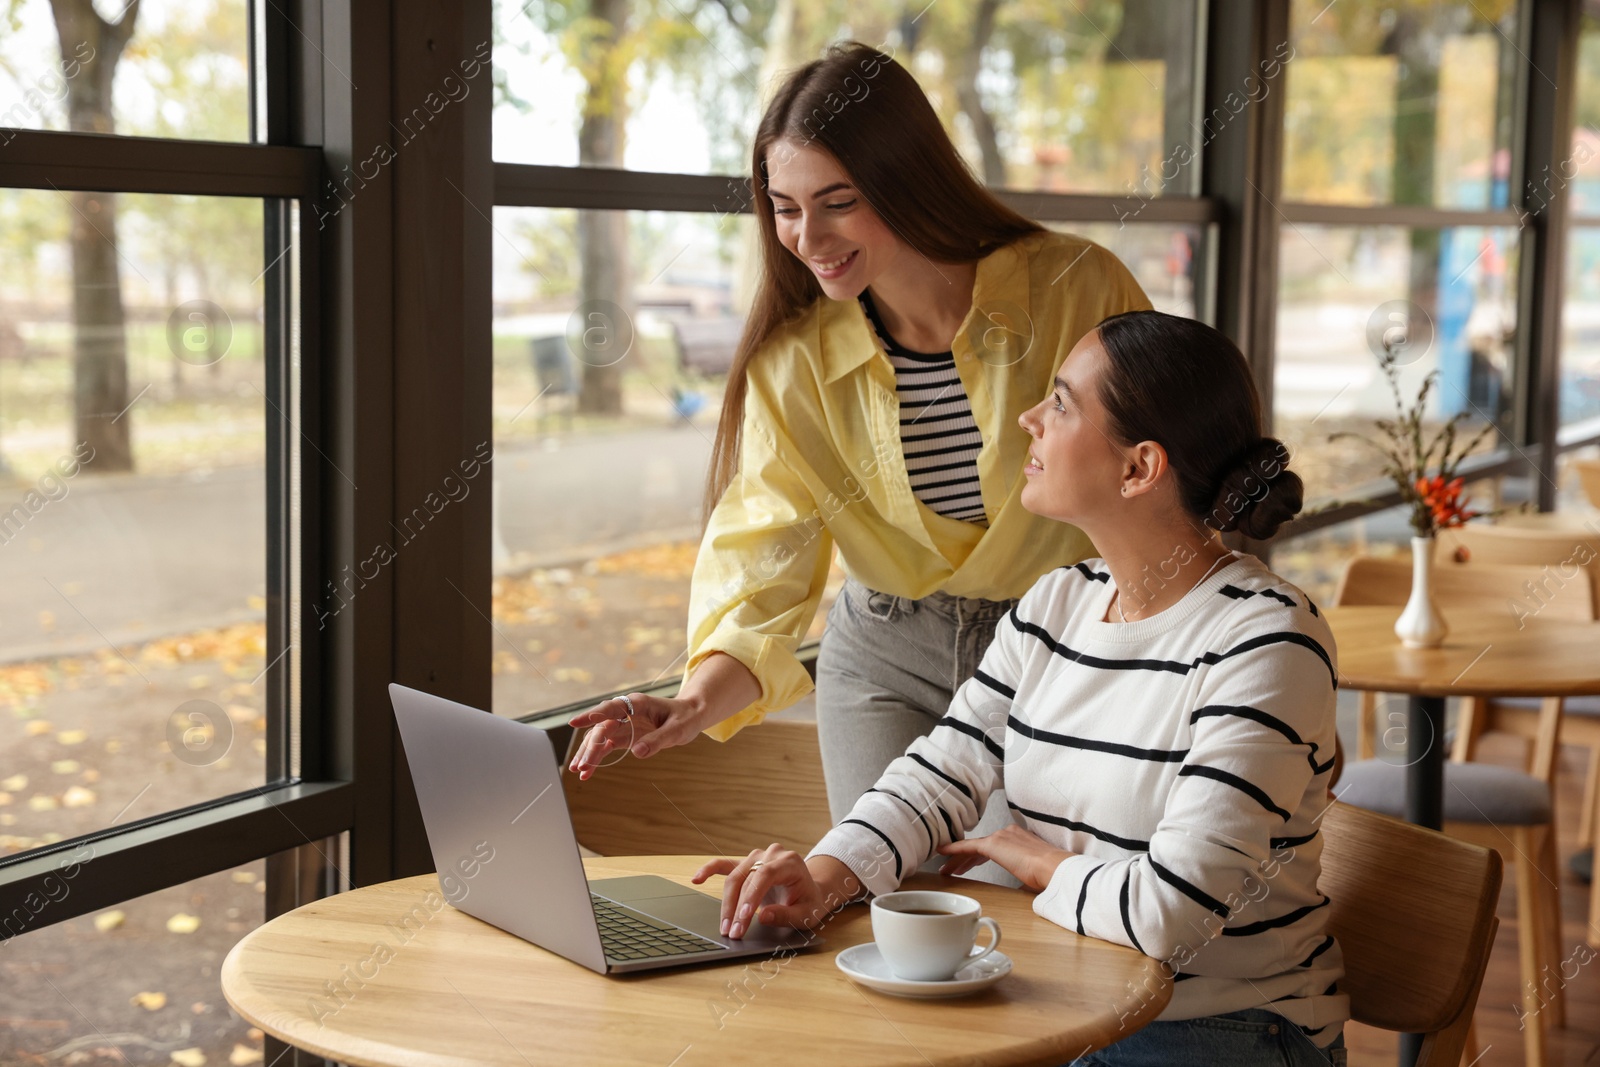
pixel 1400 103
pixel 1069 98
pixel 1444 298
pixel 138 982
pixel 179 68
pixel 133 399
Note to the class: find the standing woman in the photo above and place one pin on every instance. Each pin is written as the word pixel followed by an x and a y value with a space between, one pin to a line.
pixel 903 320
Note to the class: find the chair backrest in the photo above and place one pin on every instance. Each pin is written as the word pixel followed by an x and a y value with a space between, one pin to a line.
pixel 1413 912
pixel 1589 477
pixel 762 785
pixel 1516 590
pixel 1567 554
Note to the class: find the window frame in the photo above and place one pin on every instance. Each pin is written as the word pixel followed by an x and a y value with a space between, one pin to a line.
pixel 361 374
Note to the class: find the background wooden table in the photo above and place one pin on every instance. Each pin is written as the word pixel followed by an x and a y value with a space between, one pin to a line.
pixel 1485 654
pixel 346 978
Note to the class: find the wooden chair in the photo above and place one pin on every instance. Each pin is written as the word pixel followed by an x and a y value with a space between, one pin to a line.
pixel 1413 912
pixel 1558 552
pixel 1589 477
pixel 1496 807
pixel 762 785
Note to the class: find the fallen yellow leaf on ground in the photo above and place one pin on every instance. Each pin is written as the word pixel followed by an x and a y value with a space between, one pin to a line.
pixel 15 784
pixel 72 737
pixel 107 921
pixel 183 923
pixel 38 728
pixel 78 797
pixel 65 766
pixel 189 1057
pixel 244 1054
pixel 149 1001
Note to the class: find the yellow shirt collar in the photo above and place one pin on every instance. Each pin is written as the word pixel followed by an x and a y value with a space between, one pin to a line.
pixel 1001 286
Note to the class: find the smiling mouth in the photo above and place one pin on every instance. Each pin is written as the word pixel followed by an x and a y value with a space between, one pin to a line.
pixel 1033 462
pixel 832 265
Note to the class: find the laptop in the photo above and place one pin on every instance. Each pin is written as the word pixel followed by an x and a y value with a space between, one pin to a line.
pixel 504 848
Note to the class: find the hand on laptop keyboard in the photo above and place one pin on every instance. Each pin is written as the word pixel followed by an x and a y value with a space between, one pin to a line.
pixel 804 892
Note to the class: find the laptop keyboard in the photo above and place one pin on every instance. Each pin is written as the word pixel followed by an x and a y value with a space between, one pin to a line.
pixel 626 935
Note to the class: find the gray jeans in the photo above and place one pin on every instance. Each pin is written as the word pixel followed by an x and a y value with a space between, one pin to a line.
pixel 886 672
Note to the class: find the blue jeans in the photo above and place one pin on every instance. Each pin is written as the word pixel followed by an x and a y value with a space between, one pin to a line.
pixel 1255 1037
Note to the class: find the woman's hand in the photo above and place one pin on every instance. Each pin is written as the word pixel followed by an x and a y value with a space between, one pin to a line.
pixel 658 723
pixel 800 900
pixel 1025 854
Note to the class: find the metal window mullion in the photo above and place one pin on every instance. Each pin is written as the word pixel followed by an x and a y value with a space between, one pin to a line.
pixel 36 159
pixel 1411 216
pixel 110 867
pixel 1547 96
pixel 612 189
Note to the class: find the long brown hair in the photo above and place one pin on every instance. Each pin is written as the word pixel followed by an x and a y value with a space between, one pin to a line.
pixel 870 114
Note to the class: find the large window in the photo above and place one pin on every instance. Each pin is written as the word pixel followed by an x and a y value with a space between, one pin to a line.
pixel 1580 342
pixel 1059 97
pixel 1443 299
pixel 249 318
pixel 133 411
pixel 597 515
pixel 151 449
pixel 178 69
pixel 602 446
pixel 1400 103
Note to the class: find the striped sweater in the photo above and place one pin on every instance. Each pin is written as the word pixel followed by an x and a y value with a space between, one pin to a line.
pixel 1183 758
pixel 938 433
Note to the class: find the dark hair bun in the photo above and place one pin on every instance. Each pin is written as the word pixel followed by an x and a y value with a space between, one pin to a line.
pixel 1258 493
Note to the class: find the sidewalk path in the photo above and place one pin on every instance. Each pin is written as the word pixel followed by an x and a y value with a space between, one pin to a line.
pixel 123 559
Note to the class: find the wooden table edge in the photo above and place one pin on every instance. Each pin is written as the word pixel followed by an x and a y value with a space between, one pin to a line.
pixel 1045 1052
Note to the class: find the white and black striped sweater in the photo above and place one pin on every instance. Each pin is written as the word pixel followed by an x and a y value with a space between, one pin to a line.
pixel 938 433
pixel 1184 758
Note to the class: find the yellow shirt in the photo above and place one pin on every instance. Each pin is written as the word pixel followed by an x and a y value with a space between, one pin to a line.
pixel 821 461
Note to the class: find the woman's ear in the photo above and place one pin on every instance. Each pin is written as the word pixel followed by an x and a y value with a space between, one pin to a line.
pixel 1143 465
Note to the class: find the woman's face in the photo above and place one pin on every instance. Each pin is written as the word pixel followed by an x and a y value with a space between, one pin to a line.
pixel 825 222
pixel 1074 469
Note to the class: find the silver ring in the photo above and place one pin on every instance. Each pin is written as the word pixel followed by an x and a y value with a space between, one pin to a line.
pixel 628 702
pixel 756 864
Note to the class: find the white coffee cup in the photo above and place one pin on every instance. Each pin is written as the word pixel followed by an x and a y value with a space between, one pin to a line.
pixel 927 936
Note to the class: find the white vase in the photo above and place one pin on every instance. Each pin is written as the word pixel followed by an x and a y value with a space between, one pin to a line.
pixel 1420 625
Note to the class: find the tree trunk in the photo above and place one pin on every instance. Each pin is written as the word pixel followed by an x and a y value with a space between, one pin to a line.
pixel 1416 41
pixel 605 286
pixel 100 347
pixel 967 67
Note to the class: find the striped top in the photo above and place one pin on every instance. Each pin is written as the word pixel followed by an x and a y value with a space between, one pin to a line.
pixel 937 431
pixel 1183 759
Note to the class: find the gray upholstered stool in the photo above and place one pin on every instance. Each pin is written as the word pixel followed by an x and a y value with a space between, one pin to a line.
pixel 1473 792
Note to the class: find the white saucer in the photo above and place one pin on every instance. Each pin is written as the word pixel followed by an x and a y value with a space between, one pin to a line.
pixel 866 965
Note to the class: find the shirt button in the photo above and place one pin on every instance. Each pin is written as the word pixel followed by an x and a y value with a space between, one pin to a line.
pixel 1273 1029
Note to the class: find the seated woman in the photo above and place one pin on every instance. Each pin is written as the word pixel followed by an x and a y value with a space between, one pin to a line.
pixel 1161 718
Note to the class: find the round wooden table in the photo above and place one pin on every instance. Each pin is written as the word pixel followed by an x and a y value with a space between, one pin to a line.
pixel 339 978
pixel 1486 654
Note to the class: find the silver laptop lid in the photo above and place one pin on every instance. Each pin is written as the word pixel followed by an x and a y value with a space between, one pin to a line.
pixel 497 822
